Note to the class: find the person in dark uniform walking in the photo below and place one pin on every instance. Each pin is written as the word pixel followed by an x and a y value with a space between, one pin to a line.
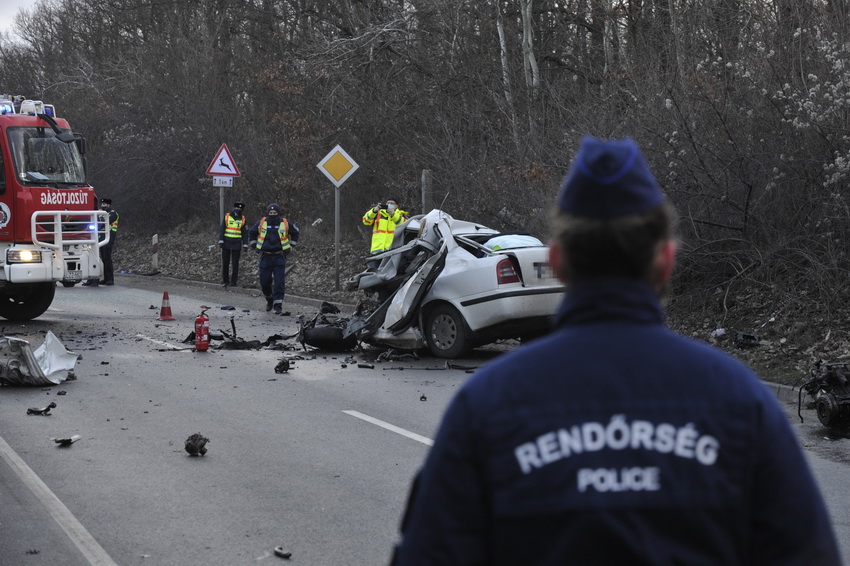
pixel 232 239
pixel 272 237
pixel 106 249
pixel 614 440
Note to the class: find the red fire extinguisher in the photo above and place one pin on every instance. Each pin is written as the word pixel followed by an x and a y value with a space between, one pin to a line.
pixel 202 331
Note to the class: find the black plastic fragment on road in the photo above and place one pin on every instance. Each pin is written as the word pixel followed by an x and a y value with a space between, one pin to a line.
pixel 196 445
pixel 45 411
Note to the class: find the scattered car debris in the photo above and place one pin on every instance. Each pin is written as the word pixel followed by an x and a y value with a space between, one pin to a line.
pixel 393 355
pixel 282 366
pixel 829 386
pixel 279 551
pixel 328 308
pixel 366 366
pixel 67 440
pixel 49 364
pixel 236 343
pixel 230 340
pixel 325 331
pixel 277 342
pixel 233 342
pixel 423 398
pixel 746 339
pixel 196 445
pixel 450 365
pixel 42 411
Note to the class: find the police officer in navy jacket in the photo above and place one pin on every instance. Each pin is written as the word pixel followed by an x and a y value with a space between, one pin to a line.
pixel 614 441
pixel 273 236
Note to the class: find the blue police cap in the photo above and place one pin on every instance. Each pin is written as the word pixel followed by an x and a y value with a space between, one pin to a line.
pixel 609 179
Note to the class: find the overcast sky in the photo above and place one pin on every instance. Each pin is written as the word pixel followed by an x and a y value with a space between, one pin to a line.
pixel 10 10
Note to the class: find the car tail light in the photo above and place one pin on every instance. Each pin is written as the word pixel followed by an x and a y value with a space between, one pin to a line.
pixel 505 272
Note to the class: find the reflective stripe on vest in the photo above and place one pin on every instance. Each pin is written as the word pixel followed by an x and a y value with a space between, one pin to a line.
pixel 113 226
pixel 282 230
pixel 233 226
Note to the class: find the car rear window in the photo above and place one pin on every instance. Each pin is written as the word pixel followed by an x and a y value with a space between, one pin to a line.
pixel 509 241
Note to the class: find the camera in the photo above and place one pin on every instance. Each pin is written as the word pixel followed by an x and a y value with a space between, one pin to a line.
pixel 384 206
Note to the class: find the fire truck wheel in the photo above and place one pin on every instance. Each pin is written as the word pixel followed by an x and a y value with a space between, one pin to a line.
pixel 68 283
pixel 827 410
pixel 25 302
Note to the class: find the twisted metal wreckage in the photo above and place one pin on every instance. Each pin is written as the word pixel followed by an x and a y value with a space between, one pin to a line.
pixel 49 364
pixel 829 388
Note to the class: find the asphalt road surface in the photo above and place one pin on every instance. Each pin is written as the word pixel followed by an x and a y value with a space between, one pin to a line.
pixel 316 461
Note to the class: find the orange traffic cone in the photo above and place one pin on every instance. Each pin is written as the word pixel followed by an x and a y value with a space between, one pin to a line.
pixel 165 312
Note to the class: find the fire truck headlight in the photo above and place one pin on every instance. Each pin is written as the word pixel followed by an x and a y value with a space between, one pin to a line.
pixel 23 256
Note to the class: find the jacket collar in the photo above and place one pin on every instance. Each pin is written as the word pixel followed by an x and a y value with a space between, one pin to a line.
pixel 608 300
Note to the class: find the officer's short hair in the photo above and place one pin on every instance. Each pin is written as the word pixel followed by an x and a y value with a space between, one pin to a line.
pixel 622 247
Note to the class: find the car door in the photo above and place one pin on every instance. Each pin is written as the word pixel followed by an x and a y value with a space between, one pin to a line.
pixel 406 302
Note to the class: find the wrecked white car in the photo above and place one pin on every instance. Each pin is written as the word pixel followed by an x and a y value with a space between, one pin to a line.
pixel 451 285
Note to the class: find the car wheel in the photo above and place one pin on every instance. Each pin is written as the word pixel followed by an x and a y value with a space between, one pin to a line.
pixel 445 332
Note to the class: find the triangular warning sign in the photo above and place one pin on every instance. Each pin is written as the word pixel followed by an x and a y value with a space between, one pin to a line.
pixel 222 164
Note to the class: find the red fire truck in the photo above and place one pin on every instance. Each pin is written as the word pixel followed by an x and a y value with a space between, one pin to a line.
pixel 50 225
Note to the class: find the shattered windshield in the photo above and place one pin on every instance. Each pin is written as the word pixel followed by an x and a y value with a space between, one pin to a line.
pixel 41 158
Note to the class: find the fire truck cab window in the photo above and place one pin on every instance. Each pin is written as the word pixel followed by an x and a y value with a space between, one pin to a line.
pixel 2 176
pixel 42 158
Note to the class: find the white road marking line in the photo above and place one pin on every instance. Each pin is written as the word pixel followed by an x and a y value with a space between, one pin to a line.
pixel 164 344
pixel 388 426
pixel 78 534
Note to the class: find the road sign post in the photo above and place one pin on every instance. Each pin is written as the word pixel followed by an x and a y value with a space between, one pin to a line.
pixel 337 166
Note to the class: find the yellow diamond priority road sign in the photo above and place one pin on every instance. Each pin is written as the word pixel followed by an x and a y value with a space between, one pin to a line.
pixel 337 166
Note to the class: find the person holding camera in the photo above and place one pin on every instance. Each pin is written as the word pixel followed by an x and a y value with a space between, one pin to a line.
pixel 383 218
